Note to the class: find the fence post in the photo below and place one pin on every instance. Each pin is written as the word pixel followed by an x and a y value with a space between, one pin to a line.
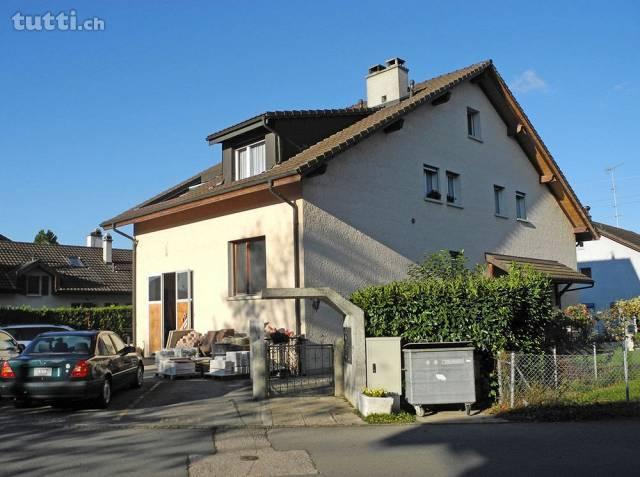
pixel 512 381
pixel 595 362
pixel 555 367
pixel 626 370
pixel 499 365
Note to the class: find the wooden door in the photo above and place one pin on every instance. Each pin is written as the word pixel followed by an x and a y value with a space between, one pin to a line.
pixel 155 327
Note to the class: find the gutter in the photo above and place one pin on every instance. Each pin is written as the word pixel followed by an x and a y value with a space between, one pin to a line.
pixel 296 250
pixel 134 242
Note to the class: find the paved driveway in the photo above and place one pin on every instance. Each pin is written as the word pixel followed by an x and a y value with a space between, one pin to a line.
pixel 191 403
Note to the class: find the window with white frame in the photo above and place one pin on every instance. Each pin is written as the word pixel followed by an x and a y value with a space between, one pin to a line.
pixel 498 192
pixel 521 206
pixel 250 160
pixel 37 285
pixel 453 188
pixel 432 186
pixel 473 123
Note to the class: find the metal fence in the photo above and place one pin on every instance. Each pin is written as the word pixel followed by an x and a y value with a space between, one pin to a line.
pixel 530 379
pixel 300 368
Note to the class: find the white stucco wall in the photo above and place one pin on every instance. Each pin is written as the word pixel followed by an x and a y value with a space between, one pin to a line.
pixel 615 269
pixel 202 246
pixel 358 216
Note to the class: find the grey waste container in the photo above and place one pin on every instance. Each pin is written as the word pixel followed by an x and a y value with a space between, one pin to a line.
pixel 439 373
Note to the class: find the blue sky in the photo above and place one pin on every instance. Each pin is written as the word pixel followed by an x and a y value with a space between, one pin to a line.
pixel 92 123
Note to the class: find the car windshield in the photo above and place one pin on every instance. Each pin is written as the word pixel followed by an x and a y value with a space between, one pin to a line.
pixel 60 344
pixel 6 342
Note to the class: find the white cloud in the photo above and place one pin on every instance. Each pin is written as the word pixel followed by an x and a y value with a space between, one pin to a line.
pixel 527 81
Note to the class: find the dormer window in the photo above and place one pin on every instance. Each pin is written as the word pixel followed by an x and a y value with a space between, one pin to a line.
pixel 37 285
pixel 250 160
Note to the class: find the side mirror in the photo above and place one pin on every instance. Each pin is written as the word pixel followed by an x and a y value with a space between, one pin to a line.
pixel 128 349
pixel 21 347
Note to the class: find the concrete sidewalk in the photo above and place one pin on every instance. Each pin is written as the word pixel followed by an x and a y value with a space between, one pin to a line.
pixel 221 404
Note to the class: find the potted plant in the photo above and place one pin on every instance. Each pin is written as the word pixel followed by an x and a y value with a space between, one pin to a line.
pixel 434 194
pixel 374 401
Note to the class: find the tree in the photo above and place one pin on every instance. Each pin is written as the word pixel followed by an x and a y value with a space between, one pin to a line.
pixel 47 237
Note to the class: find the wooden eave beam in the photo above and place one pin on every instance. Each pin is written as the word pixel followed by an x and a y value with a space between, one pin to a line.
pixel 212 200
pixel 518 128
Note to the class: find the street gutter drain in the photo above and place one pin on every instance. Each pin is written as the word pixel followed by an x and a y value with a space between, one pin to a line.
pixel 249 457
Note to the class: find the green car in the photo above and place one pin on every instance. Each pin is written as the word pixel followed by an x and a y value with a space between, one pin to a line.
pixel 71 365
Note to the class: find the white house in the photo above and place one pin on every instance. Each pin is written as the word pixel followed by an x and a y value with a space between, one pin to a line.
pixel 613 262
pixel 350 197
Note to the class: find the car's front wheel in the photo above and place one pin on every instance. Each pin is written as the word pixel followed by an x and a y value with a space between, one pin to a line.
pixel 138 380
pixel 104 398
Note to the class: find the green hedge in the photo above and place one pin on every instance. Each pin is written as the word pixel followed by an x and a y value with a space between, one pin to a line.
pixel 113 318
pixel 443 301
pixel 512 312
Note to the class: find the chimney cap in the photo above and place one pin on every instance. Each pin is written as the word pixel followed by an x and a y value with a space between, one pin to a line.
pixel 395 61
pixel 376 68
pixel 108 238
pixel 96 233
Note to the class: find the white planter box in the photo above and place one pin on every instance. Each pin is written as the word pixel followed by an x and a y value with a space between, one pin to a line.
pixel 374 405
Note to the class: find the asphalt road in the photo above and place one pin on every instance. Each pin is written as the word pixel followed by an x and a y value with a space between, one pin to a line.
pixel 156 430
pixel 58 451
pixel 550 449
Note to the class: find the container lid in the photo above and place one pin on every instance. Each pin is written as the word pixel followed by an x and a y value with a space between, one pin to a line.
pixel 442 345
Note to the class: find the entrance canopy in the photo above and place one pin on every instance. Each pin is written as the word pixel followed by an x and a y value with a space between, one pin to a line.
pixel 556 271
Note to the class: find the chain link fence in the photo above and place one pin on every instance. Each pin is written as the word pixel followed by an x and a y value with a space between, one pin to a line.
pixel 534 379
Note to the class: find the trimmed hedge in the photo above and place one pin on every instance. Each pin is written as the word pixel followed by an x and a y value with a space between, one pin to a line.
pixel 443 301
pixel 113 318
pixel 511 312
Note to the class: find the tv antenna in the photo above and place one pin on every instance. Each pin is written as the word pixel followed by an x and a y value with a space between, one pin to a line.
pixel 612 172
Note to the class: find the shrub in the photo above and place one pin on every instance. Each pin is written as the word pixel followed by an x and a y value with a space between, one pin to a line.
pixel 444 301
pixel 113 318
pixel 440 302
pixel 374 392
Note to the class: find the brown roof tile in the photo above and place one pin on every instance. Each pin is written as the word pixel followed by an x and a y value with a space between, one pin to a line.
pixel 95 277
pixel 622 236
pixel 319 152
pixel 556 271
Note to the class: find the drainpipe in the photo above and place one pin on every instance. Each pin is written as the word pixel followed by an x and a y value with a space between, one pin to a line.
pixel 134 243
pixel 296 250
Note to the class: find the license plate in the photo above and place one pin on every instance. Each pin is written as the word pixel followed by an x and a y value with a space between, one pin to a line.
pixel 41 372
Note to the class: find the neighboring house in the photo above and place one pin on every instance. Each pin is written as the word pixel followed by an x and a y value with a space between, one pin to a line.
pixel 40 275
pixel 344 198
pixel 613 262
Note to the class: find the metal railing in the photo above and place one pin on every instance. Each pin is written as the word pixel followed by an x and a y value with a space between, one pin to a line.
pixel 300 368
pixel 531 379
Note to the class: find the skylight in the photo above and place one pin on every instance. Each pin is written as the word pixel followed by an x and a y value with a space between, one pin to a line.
pixel 75 261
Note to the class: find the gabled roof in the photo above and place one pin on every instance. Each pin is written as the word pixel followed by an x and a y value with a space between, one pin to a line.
pixel 18 258
pixel 379 118
pixel 4 238
pixel 556 271
pixel 622 236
